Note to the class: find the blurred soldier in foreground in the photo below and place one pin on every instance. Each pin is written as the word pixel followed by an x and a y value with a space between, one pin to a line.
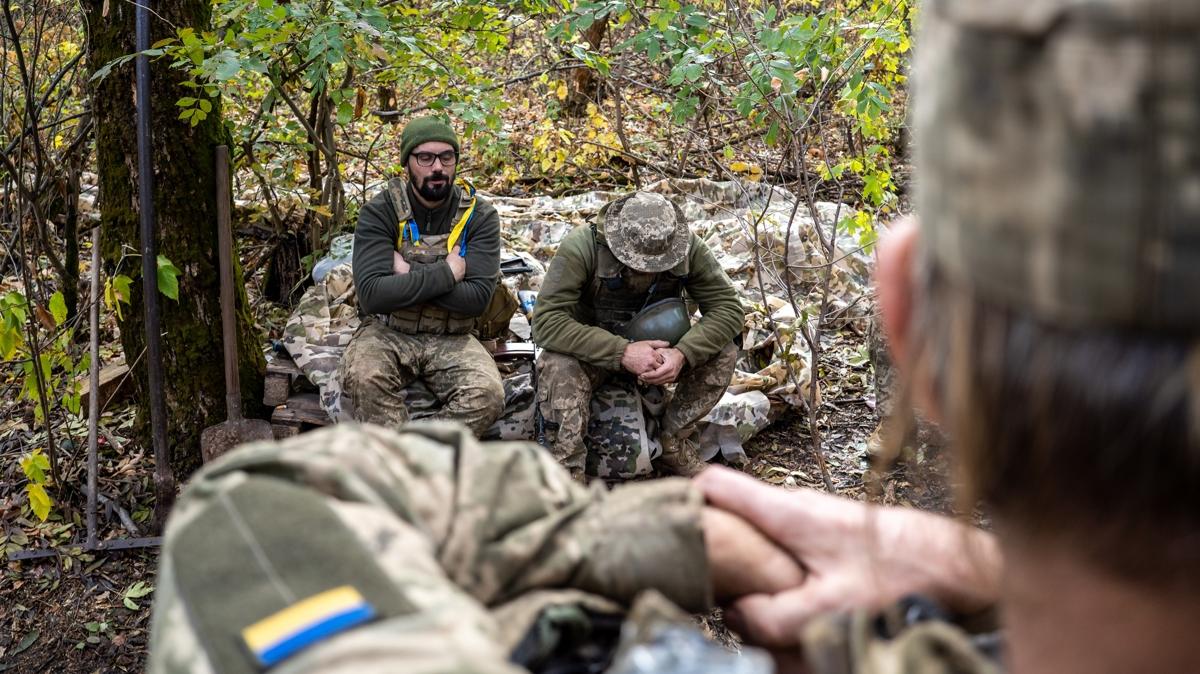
pixel 357 549
pixel 426 263
pixel 612 303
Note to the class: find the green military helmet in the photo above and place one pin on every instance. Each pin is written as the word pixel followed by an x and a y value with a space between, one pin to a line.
pixel 667 320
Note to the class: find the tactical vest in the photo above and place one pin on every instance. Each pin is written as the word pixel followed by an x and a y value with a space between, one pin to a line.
pixel 618 293
pixel 425 249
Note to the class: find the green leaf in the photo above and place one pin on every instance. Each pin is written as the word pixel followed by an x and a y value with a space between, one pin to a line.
pixel 228 64
pixel 135 591
pixel 168 278
pixel 39 501
pixel 10 339
pixel 58 307
pixel 34 465
pixel 26 642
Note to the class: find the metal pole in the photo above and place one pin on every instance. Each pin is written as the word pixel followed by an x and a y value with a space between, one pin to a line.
pixel 164 483
pixel 94 394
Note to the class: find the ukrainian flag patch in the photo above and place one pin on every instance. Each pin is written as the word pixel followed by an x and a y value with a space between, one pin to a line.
pixel 277 637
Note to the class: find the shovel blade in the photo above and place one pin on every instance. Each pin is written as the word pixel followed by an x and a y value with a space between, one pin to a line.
pixel 219 439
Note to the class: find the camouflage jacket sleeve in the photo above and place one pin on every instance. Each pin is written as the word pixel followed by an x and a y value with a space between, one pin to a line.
pixel 721 314
pixel 557 323
pixel 429 526
pixel 381 291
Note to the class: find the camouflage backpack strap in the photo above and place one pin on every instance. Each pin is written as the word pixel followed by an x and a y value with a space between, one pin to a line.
pixel 399 193
pixel 911 636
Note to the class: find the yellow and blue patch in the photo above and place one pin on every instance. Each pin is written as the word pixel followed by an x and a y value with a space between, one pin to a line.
pixel 277 637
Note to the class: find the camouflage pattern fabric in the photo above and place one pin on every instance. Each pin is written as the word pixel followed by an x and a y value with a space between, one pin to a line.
pixel 565 398
pixel 622 429
pixel 912 636
pixel 319 329
pixel 380 362
pixel 458 546
pixel 732 421
pixel 609 424
pixel 646 232
pixel 1077 93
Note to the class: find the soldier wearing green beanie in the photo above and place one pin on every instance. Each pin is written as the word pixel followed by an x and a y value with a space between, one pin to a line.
pixel 426 130
pixel 426 264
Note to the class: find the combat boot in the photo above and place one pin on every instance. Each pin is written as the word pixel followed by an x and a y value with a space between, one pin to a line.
pixel 680 456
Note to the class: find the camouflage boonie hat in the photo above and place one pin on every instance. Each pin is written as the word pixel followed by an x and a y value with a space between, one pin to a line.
pixel 646 232
pixel 1058 156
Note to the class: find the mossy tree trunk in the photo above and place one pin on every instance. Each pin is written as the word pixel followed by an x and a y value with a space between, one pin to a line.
pixel 185 205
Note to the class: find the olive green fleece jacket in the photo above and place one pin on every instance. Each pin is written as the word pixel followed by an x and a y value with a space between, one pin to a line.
pixel 561 321
pixel 380 291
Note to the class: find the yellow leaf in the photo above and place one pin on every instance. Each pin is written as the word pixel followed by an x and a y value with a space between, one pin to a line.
pixel 739 167
pixel 561 92
pixel 321 209
pixel 39 501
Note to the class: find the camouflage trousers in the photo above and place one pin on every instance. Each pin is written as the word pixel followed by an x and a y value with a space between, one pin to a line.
pixel 565 388
pixel 458 547
pixel 380 362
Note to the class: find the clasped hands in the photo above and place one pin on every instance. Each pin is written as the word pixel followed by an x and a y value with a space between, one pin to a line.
pixel 458 266
pixel 653 361
pixel 778 558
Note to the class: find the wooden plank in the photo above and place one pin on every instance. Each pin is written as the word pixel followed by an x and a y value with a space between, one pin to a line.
pixel 115 385
pixel 284 365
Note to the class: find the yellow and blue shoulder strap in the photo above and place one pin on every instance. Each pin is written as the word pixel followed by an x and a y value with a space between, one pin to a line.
pixel 458 233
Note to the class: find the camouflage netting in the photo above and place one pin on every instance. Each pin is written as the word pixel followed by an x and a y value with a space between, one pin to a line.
pixel 772 374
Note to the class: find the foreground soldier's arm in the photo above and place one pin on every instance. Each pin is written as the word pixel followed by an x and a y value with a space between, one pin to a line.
pixel 381 291
pixel 432 530
pixel 721 314
pixel 555 322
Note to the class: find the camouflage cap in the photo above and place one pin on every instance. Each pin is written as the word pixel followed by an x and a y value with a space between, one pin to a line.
pixel 1058 156
pixel 646 232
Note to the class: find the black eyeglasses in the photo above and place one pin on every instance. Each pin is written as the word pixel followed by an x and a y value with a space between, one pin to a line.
pixel 426 158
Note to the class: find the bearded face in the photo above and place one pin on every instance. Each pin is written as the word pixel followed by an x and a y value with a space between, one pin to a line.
pixel 433 182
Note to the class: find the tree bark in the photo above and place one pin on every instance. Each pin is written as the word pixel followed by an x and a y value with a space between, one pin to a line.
pixel 185 202
pixel 585 82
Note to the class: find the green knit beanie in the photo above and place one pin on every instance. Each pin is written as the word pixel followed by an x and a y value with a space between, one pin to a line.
pixel 425 130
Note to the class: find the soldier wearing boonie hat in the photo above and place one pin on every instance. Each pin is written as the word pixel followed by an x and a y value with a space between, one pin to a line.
pixel 611 303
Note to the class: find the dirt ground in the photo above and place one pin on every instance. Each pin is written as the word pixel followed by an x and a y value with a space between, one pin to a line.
pixel 69 614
